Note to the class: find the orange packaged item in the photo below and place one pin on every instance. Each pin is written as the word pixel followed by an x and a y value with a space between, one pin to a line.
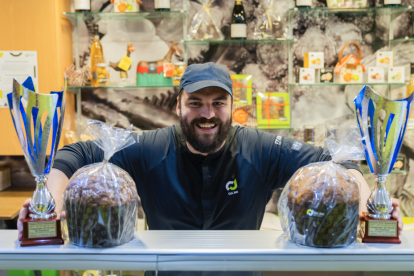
pixel 240 116
pixel 349 69
pixel 168 70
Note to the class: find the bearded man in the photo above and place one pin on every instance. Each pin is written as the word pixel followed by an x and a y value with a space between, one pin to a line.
pixel 203 174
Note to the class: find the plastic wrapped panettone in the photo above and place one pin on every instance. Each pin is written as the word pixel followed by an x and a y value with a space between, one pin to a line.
pixel 100 204
pixel 319 206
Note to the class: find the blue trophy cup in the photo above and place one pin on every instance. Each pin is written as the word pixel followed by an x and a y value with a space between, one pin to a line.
pixel 41 121
pixel 382 123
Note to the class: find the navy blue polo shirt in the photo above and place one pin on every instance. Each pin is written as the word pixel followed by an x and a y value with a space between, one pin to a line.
pixel 226 190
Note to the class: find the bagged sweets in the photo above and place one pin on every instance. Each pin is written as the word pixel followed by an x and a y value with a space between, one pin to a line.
pixel 202 26
pixel 100 204
pixel 319 206
pixel 271 25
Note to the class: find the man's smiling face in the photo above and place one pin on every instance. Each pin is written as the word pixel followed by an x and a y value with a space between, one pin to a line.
pixel 205 118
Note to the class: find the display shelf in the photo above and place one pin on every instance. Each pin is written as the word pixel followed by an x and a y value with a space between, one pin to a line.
pixel 393 172
pixel 393 11
pixel 114 86
pixel 72 16
pixel 397 41
pixel 338 84
pixel 238 42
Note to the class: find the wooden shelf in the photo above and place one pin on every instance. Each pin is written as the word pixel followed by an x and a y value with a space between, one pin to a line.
pixel 11 201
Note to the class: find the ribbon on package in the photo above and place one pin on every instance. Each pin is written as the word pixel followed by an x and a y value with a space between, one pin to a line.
pixel 266 108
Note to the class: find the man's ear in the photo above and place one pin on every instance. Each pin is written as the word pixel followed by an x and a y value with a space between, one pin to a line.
pixel 177 109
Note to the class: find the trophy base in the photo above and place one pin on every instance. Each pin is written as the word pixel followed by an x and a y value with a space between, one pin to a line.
pixel 41 232
pixel 379 230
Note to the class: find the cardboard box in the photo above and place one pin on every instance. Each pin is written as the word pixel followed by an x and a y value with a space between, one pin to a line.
pixel 376 75
pixel 306 76
pixel 385 59
pixel 5 181
pixel 326 75
pixel 396 75
pixel 313 60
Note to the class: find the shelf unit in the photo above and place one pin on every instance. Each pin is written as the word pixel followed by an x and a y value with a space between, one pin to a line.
pixel 391 12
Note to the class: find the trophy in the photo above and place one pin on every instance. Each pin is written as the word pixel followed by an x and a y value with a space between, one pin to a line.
pixel 382 123
pixel 34 127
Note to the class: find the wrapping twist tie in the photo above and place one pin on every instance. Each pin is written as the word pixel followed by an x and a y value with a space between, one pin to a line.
pixel 207 10
pixel 268 17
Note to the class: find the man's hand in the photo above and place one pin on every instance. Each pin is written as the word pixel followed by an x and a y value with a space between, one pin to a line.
pixel 396 214
pixel 22 215
pixel 60 181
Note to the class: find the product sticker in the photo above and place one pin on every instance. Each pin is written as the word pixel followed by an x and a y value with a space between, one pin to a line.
pixel 238 30
pixel 125 63
pixel 297 146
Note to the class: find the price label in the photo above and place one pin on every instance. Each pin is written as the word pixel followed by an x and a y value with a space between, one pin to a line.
pixel 42 229
pixel 125 63
pixel 382 228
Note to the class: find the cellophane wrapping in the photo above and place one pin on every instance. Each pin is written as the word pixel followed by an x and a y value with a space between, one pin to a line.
pixel 202 26
pixel 319 205
pixel 272 24
pixel 100 204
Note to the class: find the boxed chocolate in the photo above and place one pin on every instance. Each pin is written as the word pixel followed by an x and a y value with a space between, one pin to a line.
pixel 313 60
pixel 376 75
pixel 326 75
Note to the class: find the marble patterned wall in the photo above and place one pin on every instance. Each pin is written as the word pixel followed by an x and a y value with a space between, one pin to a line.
pixel 267 63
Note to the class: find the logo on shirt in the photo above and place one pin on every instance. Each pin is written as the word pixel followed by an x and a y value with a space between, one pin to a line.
pixel 278 140
pixel 231 186
pixel 297 146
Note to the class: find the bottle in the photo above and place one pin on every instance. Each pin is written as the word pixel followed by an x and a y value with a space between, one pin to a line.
pixel 304 4
pixel 410 89
pixel 96 55
pixel 392 3
pixel 238 22
pixel 162 5
pixel 82 5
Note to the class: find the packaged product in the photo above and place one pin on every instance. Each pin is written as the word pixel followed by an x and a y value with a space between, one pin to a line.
pixel 313 60
pixel 100 204
pixel 202 26
pixel 385 59
pixel 319 206
pixel 271 24
pixel 396 75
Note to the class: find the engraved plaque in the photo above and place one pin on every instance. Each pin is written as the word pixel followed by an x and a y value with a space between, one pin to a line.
pixel 380 228
pixel 42 229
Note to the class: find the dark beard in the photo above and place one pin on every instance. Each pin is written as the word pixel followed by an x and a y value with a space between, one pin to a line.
pixel 205 143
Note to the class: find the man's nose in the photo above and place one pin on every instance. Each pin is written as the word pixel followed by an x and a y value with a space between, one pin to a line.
pixel 207 111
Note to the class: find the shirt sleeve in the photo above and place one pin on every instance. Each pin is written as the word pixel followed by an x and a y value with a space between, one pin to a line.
pixel 287 155
pixel 75 156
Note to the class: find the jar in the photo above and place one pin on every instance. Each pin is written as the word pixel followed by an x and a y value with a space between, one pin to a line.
pixel 102 71
pixel 179 69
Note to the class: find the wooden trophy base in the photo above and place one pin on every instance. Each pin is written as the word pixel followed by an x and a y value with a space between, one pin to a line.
pixel 379 230
pixel 41 232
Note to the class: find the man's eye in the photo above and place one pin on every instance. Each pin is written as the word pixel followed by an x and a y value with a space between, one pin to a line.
pixel 218 103
pixel 194 104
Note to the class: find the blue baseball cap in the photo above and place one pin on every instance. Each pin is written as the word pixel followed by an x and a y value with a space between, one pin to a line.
pixel 199 76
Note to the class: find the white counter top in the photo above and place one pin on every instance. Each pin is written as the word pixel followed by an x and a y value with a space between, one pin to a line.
pixel 209 250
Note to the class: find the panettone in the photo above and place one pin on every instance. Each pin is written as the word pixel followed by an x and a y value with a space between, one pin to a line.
pixel 101 205
pixel 322 204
